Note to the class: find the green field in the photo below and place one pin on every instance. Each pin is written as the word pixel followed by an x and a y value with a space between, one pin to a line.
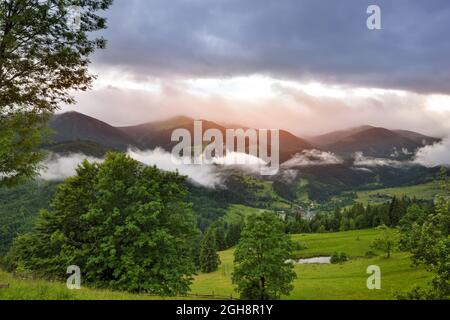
pixel 422 191
pixel 342 281
pixel 354 243
pixel 237 213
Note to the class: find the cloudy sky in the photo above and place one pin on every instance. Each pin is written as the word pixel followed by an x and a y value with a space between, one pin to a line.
pixel 308 66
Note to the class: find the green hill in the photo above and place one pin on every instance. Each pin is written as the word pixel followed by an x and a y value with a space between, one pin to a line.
pixel 426 191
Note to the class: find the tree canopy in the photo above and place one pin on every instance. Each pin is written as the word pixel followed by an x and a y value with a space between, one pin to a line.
pixel 262 270
pixel 125 225
pixel 427 237
pixel 43 58
pixel 209 259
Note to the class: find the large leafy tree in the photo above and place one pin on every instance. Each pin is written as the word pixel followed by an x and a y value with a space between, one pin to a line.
pixel 428 239
pixel 262 270
pixel 125 225
pixel 44 56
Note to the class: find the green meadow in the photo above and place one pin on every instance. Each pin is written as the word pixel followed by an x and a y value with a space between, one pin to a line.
pixel 314 281
pixel 425 191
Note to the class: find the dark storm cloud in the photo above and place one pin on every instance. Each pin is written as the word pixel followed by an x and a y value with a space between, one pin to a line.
pixel 316 40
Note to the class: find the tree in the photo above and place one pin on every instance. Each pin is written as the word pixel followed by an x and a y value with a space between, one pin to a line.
pixel 261 269
pixel 220 234
pixel 415 216
pixel 428 239
pixel 387 242
pixel 209 259
pixel 42 59
pixel 125 225
pixel 233 234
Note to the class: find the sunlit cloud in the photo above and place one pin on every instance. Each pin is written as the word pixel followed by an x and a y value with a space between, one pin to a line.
pixel 241 88
pixel 117 78
pixel 121 98
pixel 438 103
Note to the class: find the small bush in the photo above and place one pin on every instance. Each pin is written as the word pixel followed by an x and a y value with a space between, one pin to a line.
pixel 370 254
pixel 339 258
pixel 298 246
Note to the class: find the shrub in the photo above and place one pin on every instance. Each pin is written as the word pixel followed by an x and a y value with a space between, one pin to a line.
pixel 339 258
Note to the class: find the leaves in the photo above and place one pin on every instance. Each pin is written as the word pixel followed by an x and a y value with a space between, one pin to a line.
pixel 127 226
pixel 261 271
pixel 42 60
pixel 387 242
pixel 427 236
pixel 209 259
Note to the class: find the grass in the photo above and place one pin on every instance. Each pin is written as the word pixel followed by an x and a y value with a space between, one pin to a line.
pixel 348 281
pixel 425 191
pixel 341 281
pixel 26 289
pixel 237 213
pixel 354 243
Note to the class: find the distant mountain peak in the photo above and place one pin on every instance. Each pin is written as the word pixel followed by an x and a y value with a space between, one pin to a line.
pixel 72 125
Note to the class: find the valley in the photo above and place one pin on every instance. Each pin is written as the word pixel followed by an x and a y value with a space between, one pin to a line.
pixel 329 199
pixel 346 281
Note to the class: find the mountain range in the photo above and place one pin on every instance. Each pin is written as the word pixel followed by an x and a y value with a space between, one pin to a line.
pixel 372 141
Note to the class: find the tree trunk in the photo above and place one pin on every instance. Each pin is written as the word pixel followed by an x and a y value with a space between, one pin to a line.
pixel 262 287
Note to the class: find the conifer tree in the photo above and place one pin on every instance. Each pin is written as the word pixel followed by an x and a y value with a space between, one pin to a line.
pixel 209 259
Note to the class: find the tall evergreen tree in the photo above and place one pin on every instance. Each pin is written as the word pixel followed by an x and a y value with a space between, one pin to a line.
pixel 233 234
pixel 209 259
pixel 220 234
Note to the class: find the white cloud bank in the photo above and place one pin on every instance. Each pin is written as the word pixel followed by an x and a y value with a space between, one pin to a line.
pixel 201 174
pixel 59 167
pixel 434 155
pixel 363 161
pixel 312 158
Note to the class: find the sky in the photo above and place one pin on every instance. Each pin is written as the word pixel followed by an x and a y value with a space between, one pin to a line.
pixel 306 66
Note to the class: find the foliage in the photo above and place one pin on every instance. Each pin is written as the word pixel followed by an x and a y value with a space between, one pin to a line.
pixel 315 282
pixel 125 225
pixel 233 234
pixel 357 217
pixel 427 237
pixel 261 271
pixel 20 133
pixel 209 204
pixel 42 60
pixel 19 208
pixel 387 242
pixel 339 257
pixel 88 148
pixel 209 259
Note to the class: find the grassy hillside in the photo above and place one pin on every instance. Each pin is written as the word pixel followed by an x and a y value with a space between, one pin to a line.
pixel 45 290
pixel 236 213
pixel 354 243
pixel 342 281
pixel 425 191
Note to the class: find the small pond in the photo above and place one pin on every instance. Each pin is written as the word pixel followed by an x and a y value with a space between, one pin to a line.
pixel 316 260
